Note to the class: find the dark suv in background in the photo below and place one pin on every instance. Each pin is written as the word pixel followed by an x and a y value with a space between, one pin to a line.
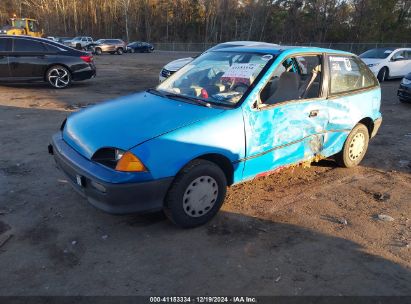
pixel 27 59
pixel 139 47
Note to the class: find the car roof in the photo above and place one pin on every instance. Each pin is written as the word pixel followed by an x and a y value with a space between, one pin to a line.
pixel 275 49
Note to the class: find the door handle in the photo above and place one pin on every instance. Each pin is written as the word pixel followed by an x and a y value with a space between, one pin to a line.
pixel 313 113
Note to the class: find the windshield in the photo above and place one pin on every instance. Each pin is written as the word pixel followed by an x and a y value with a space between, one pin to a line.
pixel 377 53
pixel 19 23
pixel 100 41
pixel 216 77
pixel 76 38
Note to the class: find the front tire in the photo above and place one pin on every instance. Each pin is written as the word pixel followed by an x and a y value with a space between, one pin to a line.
pixel 355 147
pixel 382 74
pixel 196 194
pixel 119 51
pixel 58 77
pixel 99 51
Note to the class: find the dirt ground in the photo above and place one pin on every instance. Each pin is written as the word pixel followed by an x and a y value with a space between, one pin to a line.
pixel 303 231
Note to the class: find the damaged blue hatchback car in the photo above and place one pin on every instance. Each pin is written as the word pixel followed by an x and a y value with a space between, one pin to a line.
pixel 228 116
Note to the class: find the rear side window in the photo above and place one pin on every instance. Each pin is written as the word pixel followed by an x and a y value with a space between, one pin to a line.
pixel 25 45
pixel 349 74
pixel 4 44
pixel 53 48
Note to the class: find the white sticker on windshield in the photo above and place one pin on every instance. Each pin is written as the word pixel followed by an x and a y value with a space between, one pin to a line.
pixel 241 70
pixel 347 63
pixel 267 57
pixel 337 58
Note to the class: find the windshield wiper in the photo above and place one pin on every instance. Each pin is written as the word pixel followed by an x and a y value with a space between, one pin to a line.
pixel 155 92
pixel 192 99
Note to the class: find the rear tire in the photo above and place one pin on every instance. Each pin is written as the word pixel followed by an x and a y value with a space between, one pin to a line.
pixel 120 51
pixel 382 74
pixel 58 77
pixel 196 194
pixel 355 147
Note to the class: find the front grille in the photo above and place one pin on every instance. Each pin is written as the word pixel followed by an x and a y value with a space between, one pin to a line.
pixel 166 73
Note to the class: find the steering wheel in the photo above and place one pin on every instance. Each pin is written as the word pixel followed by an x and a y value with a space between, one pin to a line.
pixel 240 88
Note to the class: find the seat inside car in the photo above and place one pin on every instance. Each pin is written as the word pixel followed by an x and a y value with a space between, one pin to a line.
pixel 286 88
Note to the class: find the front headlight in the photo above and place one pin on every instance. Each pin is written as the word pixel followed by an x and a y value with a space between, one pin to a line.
pixel 406 81
pixel 119 160
pixel 372 65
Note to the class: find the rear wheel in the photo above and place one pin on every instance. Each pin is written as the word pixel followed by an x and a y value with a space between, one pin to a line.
pixel 196 194
pixel 354 148
pixel 58 77
pixel 382 74
pixel 120 51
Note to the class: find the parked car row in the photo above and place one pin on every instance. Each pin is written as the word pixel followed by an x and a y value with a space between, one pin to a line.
pixel 110 46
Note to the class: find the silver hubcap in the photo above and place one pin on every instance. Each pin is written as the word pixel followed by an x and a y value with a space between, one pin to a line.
pixel 59 78
pixel 357 146
pixel 200 196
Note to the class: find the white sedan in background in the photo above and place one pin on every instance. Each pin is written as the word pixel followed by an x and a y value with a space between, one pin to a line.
pixel 388 63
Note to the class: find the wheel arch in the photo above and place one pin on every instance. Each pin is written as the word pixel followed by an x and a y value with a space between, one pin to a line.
pixel 369 123
pixel 221 161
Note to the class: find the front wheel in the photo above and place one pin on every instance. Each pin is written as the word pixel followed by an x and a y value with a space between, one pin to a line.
pixel 119 51
pixel 58 77
pixel 382 74
pixel 355 147
pixel 196 194
pixel 98 51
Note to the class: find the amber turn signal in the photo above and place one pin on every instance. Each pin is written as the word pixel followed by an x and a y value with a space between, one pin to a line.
pixel 130 163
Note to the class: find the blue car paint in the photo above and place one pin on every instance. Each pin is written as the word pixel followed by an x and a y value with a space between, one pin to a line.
pixel 222 134
pixel 167 134
pixel 128 121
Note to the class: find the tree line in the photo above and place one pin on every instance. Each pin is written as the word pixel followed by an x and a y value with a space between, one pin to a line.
pixel 213 21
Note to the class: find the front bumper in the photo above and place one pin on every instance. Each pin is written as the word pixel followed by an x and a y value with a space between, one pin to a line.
pixel 404 92
pixel 110 197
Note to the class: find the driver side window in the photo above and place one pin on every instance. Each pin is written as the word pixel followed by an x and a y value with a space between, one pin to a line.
pixel 401 55
pixel 295 78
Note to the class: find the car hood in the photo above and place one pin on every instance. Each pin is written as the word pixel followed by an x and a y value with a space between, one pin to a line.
pixel 372 60
pixel 129 121
pixel 178 64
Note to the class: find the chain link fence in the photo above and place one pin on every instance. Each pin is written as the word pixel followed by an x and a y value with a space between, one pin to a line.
pixel 356 48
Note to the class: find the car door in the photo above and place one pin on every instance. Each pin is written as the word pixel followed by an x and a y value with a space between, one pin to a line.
pixel 5 46
pixel 399 64
pixel 288 131
pixel 28 59
pixel 354 95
